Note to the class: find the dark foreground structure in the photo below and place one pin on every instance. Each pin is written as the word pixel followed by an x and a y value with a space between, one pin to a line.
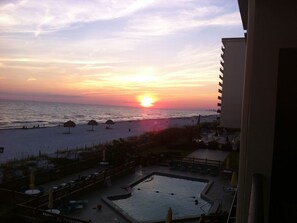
pixel 267 189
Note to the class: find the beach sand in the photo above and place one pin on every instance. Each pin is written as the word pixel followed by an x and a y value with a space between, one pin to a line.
pixel 21 143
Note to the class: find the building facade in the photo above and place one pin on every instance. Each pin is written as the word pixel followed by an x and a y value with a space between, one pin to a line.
pixel 231 82
pixel 267 189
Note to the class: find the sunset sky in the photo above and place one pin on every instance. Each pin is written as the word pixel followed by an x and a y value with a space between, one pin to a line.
pixel 115 51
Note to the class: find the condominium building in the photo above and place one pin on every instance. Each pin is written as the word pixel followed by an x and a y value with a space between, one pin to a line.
pixel 231 82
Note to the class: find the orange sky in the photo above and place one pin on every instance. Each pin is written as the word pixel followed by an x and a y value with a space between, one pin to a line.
pixel 103 52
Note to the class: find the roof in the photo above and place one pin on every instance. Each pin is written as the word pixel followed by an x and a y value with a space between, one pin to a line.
pixel 243 8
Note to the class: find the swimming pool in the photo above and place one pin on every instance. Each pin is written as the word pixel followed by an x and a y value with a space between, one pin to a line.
pixel 148 199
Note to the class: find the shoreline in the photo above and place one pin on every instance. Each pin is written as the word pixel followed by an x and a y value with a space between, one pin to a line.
pixel 20 143
pixel 100 123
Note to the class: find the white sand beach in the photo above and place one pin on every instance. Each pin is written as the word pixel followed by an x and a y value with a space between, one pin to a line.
pixel 21 143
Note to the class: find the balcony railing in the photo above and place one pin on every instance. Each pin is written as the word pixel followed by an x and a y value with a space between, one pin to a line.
pixel 232 212
pixel 256 210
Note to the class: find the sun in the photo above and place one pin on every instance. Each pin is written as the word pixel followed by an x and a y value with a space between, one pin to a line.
pixel 146 101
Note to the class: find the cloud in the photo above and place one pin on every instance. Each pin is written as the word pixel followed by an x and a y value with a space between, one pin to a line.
pixel 145 16
pixel 49 16
pixel 36 62
pixel 31 79
pixel 39 95
pixel 114 47
pixel 162 19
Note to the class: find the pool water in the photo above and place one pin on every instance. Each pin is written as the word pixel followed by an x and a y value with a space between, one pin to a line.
pixel 150 199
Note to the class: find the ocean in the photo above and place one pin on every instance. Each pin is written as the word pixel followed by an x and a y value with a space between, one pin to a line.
pixel 18 114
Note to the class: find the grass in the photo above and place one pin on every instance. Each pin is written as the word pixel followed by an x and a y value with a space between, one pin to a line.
pixel 179 141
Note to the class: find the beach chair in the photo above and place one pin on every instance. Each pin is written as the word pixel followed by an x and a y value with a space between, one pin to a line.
pixel 73 206
pixel 230 189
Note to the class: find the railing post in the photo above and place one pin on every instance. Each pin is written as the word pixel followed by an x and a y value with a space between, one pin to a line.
pixel 256 207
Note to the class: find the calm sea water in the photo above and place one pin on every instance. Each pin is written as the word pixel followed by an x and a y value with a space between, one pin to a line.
pixel 16 114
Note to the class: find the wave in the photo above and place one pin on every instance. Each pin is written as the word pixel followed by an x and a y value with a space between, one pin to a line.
pixel 33 121
pixel 18 114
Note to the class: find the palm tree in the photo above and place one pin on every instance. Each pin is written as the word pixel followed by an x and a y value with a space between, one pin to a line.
pixel 92 123
pixel 69 124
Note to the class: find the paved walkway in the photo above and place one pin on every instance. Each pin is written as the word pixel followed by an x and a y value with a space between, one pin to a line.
pixel 210 154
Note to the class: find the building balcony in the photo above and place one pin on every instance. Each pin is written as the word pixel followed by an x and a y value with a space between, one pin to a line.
pixel 220 83
pixel 221 77
pixel 220 91
pixel 222 70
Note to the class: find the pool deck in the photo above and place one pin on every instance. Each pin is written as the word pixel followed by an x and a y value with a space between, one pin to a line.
pixel 107 214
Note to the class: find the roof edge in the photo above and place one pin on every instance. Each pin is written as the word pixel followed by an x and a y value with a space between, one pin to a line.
pixel 243 9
